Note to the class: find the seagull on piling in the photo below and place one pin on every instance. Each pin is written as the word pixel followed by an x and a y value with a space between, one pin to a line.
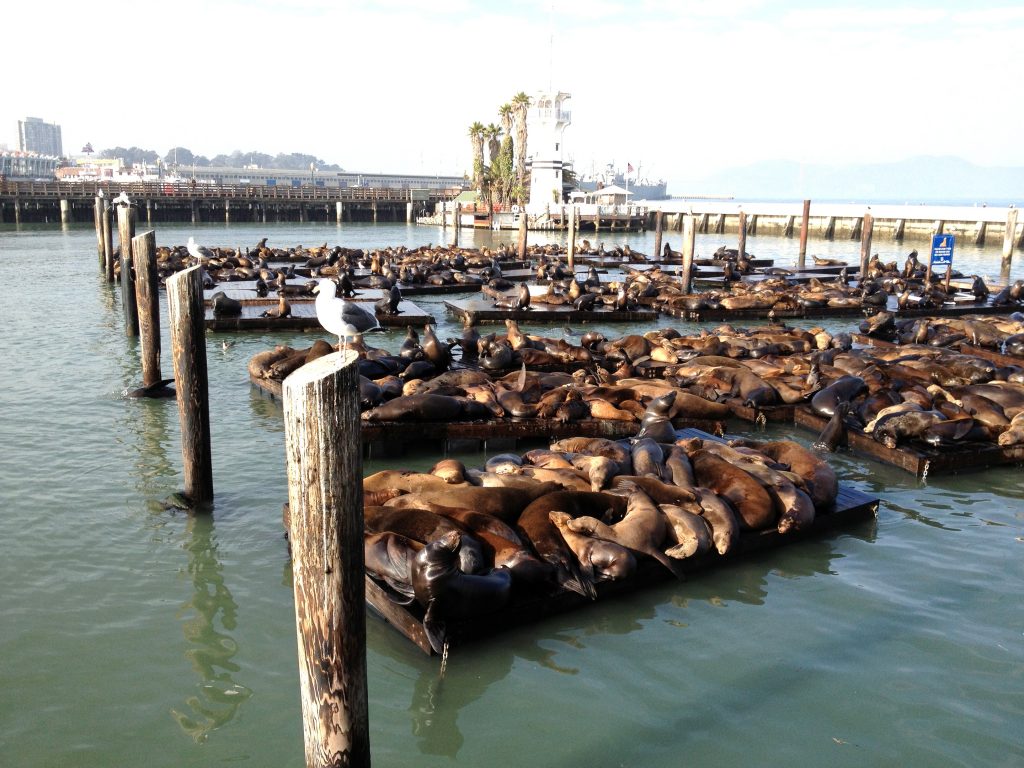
pixel 122 199
pixel 344 319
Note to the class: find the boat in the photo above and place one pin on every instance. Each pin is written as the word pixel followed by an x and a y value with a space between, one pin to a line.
pixel 641 188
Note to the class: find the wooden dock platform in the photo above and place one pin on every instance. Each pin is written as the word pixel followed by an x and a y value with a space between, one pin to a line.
pixel 918 460
pixel 851 507
pixel 483 311
pixel 303 316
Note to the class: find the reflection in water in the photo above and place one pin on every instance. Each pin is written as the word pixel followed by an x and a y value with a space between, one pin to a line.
pixel 211 651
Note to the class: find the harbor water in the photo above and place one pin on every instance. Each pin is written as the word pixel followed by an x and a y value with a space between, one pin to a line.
pixel 132 634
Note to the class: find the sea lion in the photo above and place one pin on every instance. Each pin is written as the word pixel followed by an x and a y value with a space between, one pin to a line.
pixel 845 388
pixel 158 389
pixel 570 479
pixel 448 593
pixel 451 471
pixel 411 349
pixel 281 311
pixel 834 433
pixel 505 464
pixel 599 469
pixel 387 557
pixel 721 516
pixel 428 407
pixel 404 480
pixel 660 492
pixel 225 306
pixel 436 351
pixel 544 457
pixel 741 490
pixel 679 468
pixel 688 533
pixel 599 559
pixel 642 529
pixel 596 446
pixel 656 424
pixel 648 457
pixel 504 503
pixel 425 526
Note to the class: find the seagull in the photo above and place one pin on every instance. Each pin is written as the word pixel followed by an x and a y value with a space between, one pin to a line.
pixel 122 199
pixel 342 318
pixel 198 252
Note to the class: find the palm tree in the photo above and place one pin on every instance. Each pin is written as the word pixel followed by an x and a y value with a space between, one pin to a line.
pixel 476 136
pixel 491 133
pixel 505 115
pixel 520 103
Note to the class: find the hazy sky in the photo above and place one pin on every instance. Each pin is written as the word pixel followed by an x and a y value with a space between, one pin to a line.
pixel 679 88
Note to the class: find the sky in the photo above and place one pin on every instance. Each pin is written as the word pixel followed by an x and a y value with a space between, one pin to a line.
pixel 680 89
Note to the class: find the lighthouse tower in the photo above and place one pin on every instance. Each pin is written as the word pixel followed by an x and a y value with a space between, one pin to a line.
pixel 546 122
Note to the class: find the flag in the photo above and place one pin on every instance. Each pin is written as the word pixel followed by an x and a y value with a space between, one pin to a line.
pixel 629 167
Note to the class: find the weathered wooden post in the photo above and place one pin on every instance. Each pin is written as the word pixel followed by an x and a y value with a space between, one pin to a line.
pixel 188 349
pixel 741 227
pixel 804 222
pixel 108 241
pixel 572 237
pixel 979 233
pixel 865 243
pixel 659 223
pixel 325 499
pixel 65 211
pixel 126 231
pixel 147 296
pixel 1008 239
pixel 456 224
pixel 689 241
pixel 521 245
pixel 97 218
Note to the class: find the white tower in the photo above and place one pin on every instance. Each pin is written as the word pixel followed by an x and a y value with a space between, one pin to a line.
pixel 546 122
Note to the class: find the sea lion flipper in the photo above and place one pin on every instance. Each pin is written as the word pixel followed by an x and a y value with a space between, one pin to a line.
pixel 435 628
pixel 399 592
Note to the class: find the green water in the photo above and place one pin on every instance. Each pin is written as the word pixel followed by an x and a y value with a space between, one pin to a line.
pixel 132 635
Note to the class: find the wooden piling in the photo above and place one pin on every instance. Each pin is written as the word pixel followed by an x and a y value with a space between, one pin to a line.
pixel 830 228
pixel 897 232
pixel 325 498
pixel 689 242
pixel 938 226
pixel 147 297
pixel 787 230
pixel 108 241
pixel 979 234
pixel 752 225
pixel 720 224
pixel 1008 239
pixel 659 223
pixel 858 225
pixel 126 231
pixel 65 211
pixel 97 218
pixel 521 243
pixel 571 247
pixel 867 229
pixel 188 349
pixel 703 223
pixel 741 229
pixel 456 224
pixel 804 225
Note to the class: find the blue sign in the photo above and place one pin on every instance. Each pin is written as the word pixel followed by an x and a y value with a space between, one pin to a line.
pixel 942 250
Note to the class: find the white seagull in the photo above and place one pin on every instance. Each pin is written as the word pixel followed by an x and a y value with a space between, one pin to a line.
pixel 198 252
pixel 122 199
pixel 343 318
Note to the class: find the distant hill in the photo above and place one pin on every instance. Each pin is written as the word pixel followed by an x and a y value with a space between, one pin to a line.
pixel 919 179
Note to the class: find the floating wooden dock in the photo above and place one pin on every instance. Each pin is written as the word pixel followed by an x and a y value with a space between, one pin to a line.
pixel 303 317
pixel 480 311
pixel 918 460
pixel 851 507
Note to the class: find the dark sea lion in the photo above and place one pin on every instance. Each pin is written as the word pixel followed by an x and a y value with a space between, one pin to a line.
pixel 411 349
pixel 599 559
pixel 428 407
pixel 225 306
pixel 448 593
pixel 504 503
pixel 679 468
pixel 834 433
pixel 159 389
pixel 656 424
pixel 648 457
pixel 424 526
pixel 436 351
pixel 743 492
pixel 892 429
pixel 845 388
pixel 388 558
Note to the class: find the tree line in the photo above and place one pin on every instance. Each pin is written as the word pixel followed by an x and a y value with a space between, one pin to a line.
pixel 182 157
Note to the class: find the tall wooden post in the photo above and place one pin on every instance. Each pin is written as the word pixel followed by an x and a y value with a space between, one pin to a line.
pixel 97 218
pixel 521 244
pixel 65 211
pixel 188 349
pixel 338 211
pixel 108 241
pixel 865 243
pixel 408 213
pixel 689 242
pixel 1008 239
pixel 741 226
pixel 126 231
pixel 456 225
pixel 572 237
pixel 147 296
pixel 804 223
pixel 659 223
pixel 325 498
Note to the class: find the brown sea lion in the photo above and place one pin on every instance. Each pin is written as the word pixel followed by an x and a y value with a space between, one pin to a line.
pixel 679 468
pixel 596 446
pixel 424 526
pixel 388 558
pixel 661 492
pixel 819 477
pixel 501 543
pixel 648 457
pixel 406 481
pixel 452 471
pixel 504 503
pixel 642 529
pixel 428 407
pixel 599 469
pixel 570 479
pixel 721 516
pixel 742 491
pixel 448 593
pixel 548 459
pixel 599 559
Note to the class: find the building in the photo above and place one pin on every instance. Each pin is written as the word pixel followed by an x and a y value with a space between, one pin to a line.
pixel 547 120
pixel 42 138
pixel 27 166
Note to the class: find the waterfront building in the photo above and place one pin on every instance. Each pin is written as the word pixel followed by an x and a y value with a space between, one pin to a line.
pixel 34 135
pixel 27 166
pixel 547 120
